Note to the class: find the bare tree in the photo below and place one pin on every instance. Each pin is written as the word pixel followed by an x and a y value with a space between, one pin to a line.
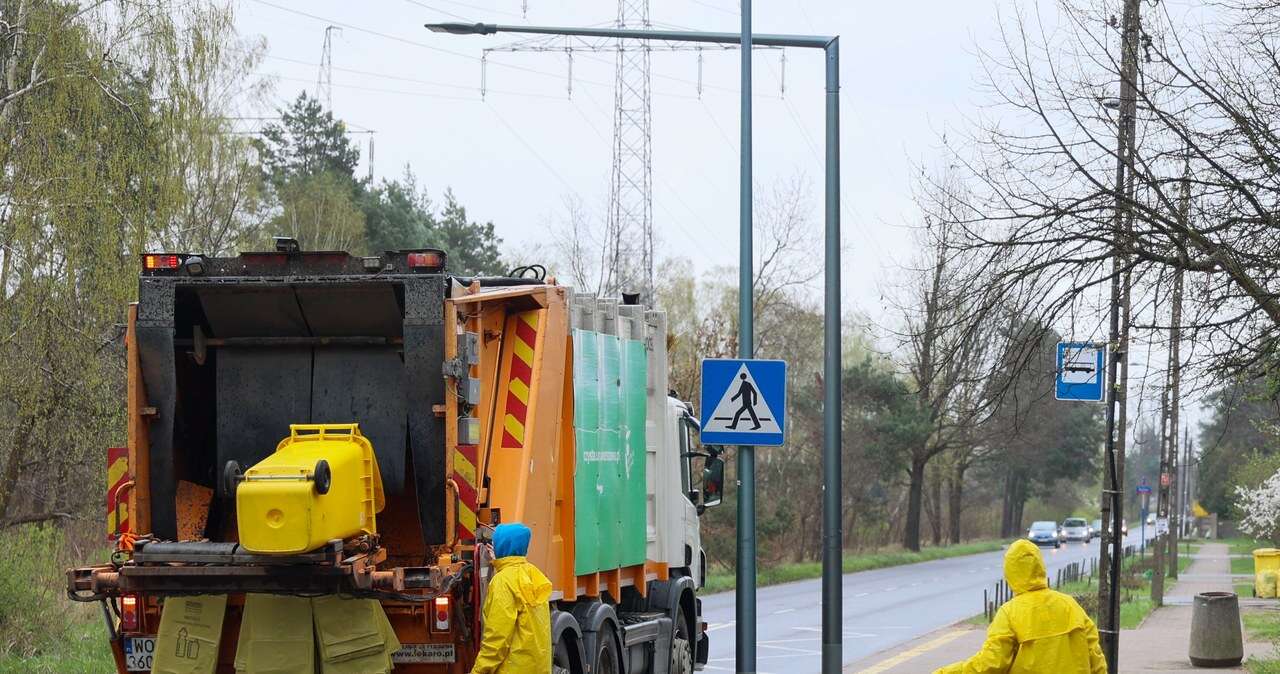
pixel 1040 174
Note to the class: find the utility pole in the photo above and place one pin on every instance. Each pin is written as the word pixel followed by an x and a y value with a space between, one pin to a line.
pixel 745 608
pixel 1162 499
pixel 1175 364
pixel 1113 485
pixel 1186 481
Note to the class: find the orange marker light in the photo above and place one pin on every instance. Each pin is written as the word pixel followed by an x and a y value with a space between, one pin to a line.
pixel 160 261
pixel 129 613
pixel 425 260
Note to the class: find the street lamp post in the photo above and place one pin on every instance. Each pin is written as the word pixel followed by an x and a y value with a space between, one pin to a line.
pixel 832 537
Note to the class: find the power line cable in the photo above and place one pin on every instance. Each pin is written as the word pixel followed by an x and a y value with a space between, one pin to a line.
pixel 528 146
pixel 403 40
pixel 414 80
pixel 441 11
pixel 487 10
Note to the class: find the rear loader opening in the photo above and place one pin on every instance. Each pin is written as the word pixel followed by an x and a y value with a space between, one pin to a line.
pixel 230 362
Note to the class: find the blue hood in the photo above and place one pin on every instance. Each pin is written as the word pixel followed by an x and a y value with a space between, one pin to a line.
pixel 511 540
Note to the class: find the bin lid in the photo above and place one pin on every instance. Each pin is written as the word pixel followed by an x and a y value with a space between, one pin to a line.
pixel 1266 552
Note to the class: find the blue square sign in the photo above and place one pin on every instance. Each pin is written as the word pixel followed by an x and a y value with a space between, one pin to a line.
pixel 743 402
pixel 1081 371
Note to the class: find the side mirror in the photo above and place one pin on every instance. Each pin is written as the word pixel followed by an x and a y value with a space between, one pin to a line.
pixel 713 482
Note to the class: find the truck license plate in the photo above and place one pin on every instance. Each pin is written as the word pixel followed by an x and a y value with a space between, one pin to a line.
pixel 412 654
pixel 138 653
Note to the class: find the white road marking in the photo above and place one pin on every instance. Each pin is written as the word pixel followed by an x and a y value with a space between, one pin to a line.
pixel 718 626
pixel 783 610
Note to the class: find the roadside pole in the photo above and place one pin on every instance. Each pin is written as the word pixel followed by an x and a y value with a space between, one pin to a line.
pixel 1175 362
pixel 832 472
pixel 1113 485
pixel 1142 528
pixel 1162 500
pixel 745 604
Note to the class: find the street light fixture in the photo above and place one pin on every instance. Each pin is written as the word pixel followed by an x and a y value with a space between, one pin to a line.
pixel 832 537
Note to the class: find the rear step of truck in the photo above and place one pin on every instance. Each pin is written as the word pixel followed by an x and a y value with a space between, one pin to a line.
pixel 187 567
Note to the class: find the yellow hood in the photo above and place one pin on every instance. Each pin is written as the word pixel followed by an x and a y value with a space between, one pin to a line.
pixel 532 587
pixel 1024 567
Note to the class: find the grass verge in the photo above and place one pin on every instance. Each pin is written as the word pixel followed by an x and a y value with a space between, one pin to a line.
pixel 1262 626
pixel 1242 565
pixel 41 631
pixel 80 649
pixel 786 573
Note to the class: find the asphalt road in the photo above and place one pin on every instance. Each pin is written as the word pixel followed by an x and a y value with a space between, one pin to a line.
pixel 882 608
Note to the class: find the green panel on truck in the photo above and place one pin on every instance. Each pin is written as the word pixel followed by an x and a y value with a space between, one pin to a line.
pixel 586 427
pixel 635 378
pixel 610 379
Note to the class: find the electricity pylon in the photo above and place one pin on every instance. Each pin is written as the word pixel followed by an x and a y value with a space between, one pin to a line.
pixel 630 223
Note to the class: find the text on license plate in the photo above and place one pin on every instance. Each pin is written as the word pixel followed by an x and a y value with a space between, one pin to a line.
pixel 138 653
pixel 424 654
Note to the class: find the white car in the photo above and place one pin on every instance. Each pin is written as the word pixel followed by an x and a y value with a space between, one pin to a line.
pixel 1075 529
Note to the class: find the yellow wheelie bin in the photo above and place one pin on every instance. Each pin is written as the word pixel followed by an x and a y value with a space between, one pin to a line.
pixel 1266 567
pixel 322 483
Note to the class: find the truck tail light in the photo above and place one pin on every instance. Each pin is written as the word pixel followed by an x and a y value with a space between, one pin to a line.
pixel 442 613
pixel 129 613
pixel 417 260
pixel 152 261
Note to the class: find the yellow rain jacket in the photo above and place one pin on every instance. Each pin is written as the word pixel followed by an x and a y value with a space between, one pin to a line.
pixel 1039 631
pixel 517 621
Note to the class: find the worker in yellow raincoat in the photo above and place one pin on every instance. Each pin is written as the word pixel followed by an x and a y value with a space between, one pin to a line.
pixel 517 612
pixel 1039 631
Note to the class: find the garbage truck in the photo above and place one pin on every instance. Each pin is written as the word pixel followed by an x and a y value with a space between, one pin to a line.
pixel 306 424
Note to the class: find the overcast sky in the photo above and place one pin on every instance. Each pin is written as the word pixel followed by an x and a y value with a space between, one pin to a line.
pixel 514 157
pixel 909 73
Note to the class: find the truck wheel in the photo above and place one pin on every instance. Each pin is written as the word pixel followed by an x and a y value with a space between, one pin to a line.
pixel 606 656
pixel 560 662
pixel 681 646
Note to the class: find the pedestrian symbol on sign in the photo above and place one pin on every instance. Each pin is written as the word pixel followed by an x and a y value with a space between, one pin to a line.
pixel 748 395
pixel 743 401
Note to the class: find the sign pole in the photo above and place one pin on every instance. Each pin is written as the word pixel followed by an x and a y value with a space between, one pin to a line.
pixel 832 372
pixel 745 605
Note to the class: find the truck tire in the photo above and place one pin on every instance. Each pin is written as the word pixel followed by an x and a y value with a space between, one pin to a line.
pixel 681 646
pixel 561 663
pixel 605 659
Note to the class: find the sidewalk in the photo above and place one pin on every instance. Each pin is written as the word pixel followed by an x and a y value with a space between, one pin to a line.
pixel 1158 645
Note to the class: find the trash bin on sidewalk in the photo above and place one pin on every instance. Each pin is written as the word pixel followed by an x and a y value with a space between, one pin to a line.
pixel 1266 569
pixel 1215 630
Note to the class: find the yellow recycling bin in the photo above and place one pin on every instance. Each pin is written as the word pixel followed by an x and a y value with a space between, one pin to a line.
pixel 1266 568
pixel 322 483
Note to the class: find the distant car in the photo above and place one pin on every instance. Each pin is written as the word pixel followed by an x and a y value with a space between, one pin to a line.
pixel 1044 533
pixel 1096 527
pixel 1151 519
pixel 1075 529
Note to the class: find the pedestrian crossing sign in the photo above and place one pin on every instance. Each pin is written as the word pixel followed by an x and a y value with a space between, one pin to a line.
pixel 743 401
